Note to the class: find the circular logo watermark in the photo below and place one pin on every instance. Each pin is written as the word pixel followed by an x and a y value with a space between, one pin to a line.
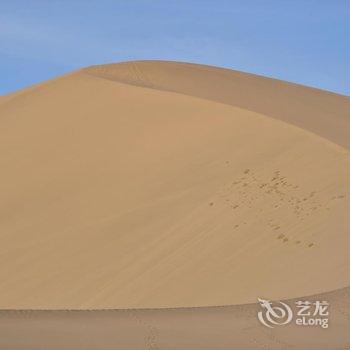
pixel 274 313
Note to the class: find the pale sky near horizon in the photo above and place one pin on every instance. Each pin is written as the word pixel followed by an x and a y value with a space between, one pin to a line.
pixel 303 41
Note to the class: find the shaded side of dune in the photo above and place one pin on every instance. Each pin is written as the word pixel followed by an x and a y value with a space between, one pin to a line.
pixel 319 111
pixel 220 328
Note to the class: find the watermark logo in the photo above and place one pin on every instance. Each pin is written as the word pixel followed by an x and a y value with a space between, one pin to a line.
pixel 274 315
pixel 306 313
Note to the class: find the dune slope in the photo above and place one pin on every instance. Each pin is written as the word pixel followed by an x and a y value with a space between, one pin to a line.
pixel 122 196
pixel 321 112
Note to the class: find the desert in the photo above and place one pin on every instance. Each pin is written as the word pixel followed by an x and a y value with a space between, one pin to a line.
pixel 153 193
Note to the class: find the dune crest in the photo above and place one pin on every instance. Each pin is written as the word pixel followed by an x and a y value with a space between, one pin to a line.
pixel 321 112
pixel 121 191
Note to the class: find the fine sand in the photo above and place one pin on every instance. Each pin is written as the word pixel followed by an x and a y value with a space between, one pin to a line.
pixel 152 185
pixel 214 328
pixel 321 112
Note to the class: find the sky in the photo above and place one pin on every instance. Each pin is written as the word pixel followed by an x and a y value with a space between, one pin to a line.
pixel 303 41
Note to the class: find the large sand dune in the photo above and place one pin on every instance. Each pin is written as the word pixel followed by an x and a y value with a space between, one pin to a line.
pixel 128 186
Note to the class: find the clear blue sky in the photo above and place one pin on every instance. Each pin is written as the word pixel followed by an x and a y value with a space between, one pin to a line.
pixel 304 41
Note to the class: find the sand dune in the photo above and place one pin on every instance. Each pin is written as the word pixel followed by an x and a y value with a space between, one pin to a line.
pixel 126 186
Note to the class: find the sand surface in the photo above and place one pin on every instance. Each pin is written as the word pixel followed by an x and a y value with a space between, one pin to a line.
pixel 125 186
pixel 118 195
pixel 321 112
pixel 219 328
pixel 162 185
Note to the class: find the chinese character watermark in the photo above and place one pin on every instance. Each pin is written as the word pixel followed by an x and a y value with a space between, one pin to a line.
pixel 307 313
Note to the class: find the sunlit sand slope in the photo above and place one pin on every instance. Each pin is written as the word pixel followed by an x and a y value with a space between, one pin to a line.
pixel 117 196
